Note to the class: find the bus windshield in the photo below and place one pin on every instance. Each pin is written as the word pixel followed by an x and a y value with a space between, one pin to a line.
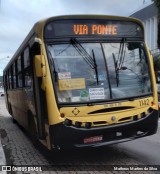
pixel 92 72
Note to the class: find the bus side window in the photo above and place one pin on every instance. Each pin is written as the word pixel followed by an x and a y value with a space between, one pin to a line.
pixel 26 58
pixel 27 77
pixel 27 68
pixel 7 79
pixel 10 78
pixel 19 72
pixel 14 75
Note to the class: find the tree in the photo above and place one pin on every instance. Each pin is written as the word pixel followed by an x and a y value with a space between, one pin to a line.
pixel 156 61
pixel 157 4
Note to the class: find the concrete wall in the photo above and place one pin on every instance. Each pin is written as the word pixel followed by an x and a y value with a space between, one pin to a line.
pixel 148 15
pixel 151 32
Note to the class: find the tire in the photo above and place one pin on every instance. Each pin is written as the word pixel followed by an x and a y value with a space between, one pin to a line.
pixel 13 120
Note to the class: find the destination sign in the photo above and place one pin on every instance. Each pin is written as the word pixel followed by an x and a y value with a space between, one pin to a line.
pixel 93 27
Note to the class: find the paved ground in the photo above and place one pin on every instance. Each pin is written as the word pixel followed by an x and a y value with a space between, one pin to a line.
pixel 2 156
pixel 19 150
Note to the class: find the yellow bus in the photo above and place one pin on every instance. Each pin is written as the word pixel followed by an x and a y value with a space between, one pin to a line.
pixel 83 80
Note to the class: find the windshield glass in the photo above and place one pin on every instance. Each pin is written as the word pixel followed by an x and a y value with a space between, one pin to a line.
pixel 86 72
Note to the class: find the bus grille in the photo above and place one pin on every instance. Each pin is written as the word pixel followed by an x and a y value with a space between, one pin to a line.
pixel 112 109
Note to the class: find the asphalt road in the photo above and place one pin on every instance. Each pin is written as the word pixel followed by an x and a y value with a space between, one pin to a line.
pixel 146 150
pixel 19 150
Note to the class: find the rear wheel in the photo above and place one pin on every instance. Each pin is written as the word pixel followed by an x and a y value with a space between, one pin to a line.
pixel 13 120
pixel 10 112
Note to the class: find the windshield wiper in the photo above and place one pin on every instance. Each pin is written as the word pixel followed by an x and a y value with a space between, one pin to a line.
pixel 95 67
pixel 116 70
pixel 121 55
pixel 88 59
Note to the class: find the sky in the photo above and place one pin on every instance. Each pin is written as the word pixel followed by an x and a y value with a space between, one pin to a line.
pixel 18 16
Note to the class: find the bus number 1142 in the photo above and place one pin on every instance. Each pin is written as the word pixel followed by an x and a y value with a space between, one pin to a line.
pixel 144 102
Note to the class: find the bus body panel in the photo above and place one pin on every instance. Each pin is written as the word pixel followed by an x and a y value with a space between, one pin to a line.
pixel 69 136
pixel 155 94
pixel 19 108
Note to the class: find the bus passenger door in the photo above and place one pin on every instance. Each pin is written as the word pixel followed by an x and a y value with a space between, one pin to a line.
pixel 39 96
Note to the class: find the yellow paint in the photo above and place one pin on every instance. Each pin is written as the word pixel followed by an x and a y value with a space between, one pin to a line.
pixel 86 110
pixel 84 115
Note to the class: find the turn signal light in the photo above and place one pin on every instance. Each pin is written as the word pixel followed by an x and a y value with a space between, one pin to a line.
pixel 62 115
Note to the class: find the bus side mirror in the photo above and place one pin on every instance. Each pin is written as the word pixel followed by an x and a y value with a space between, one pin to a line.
pixel 40 65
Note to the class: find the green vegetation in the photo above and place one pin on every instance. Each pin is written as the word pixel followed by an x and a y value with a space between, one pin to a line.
pixel 157 3
pixel 156 61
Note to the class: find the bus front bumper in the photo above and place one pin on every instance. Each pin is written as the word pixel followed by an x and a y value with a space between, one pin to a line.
pixel 69 136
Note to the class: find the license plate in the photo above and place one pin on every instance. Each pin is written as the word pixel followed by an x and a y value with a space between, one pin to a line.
pixel 93 139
